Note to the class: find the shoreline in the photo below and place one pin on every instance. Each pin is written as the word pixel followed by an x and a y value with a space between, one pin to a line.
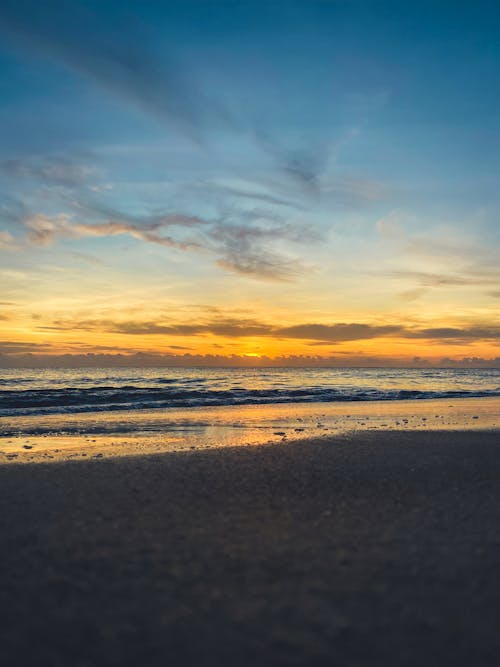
pixel 79 436
pixel 365 549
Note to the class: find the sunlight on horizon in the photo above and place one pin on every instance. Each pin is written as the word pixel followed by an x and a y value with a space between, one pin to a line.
pixel 309 205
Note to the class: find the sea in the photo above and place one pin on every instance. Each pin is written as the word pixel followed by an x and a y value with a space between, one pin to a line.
pixel 26 392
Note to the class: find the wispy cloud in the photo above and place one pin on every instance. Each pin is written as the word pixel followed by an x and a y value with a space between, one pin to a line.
pixel 121 61
pixel 226 327
pixel 304 165
pixel 7 241
pixel 248 191
pixel 124 63
pixel 245 249
pixel 44 230
pixel 441 258
pixel 338 332
pixel 49 169
pixel 491 333
pixel 8 347
pixel 263 265
pixel 412 294
pixel 315 333
pixel 427 279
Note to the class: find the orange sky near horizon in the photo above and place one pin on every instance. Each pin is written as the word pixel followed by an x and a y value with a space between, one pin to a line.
pixel 215 194
pixel 62 325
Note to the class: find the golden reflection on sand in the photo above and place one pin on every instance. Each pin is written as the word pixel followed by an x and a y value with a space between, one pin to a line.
pixel 105 434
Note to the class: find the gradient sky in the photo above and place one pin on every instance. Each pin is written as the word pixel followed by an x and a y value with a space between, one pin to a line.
pixel 240 182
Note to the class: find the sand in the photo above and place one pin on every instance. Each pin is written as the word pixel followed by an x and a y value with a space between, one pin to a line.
pixel 372 548
pixel 142 432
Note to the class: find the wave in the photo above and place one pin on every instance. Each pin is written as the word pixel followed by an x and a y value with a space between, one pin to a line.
pixel 130 397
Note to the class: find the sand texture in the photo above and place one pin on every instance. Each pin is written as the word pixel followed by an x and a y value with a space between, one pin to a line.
pixel 370 549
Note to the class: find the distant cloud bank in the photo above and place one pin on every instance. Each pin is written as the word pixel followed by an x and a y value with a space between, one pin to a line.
pixel 138 360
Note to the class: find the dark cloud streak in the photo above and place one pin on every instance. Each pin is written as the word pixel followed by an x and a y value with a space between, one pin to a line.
pixel 338 332
pixel 50 169
pixel 466 279
pixel 243 248
pixel 120 61
pixel 317 334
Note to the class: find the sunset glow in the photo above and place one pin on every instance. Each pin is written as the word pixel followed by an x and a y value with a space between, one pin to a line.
pixel 303 196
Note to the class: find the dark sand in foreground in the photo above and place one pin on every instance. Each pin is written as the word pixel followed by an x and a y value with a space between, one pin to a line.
pixel 377 549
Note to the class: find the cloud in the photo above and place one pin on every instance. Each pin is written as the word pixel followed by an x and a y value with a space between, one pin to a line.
pixel 457 262
pixel 226 327
pixel 37 359
pixel 245 248
pixel 459 334
pixel 338 332
pixel 428 279
pixel 44 230
pixel 440 242
pixel 304 165
pixel 262 265
pixel 440 259
pixel 51 170
pixel 121 61
pixel 235 328
pixel 412 294
pixel 12 211
pixel 7 241
pixel 313 333
pixel 130 63
pixel 352 192
pixel 86 258
pixel 12 347
pixel 288 199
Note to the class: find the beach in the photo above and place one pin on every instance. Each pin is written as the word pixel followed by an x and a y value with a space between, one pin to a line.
pixel 249 333
pixel 358 547
pixel 77 436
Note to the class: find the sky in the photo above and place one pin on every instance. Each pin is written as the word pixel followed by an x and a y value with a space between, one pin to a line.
pixel 222 182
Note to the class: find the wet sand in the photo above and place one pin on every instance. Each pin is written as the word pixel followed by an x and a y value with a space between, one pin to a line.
pixel 369 548
pixel 142 432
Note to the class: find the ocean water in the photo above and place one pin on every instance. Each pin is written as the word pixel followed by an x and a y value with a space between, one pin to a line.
pixel 26 392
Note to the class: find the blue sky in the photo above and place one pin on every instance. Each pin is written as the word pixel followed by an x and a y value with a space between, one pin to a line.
pixel 330 157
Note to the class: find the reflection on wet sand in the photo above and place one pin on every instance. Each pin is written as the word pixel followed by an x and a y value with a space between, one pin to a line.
pixel 56 437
